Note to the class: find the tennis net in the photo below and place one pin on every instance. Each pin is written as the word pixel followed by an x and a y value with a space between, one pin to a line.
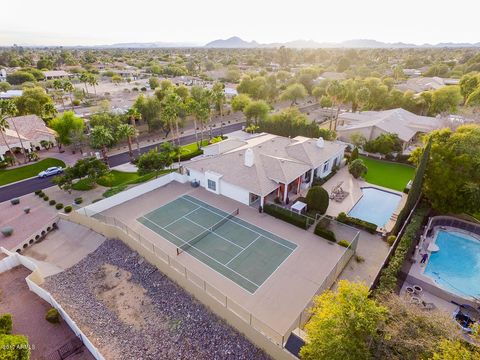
pixel 211 229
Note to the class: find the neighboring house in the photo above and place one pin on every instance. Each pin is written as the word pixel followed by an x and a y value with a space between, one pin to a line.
pixel 249 170
pixel 230 92
pixel 332 75
pixel 412 72
pixel 127 74
pixel 10 94
pixel 421 84
pixel 56 74
pixel 31 130
pixel 371 124
pixel 3 75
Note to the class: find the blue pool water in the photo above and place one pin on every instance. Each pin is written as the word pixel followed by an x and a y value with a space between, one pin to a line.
pixel 375 206
pixel 456 266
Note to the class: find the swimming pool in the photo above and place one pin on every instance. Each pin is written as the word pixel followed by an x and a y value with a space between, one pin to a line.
pixel 375 206
pixel 456 266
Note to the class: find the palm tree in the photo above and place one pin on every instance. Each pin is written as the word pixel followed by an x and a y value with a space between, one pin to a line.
pixel 335 91
pixel 218 96
pixel 84 80
pixel 92 80
pixel 101 138
pixel 68 87
pixel 58 85
pixel 172 104
pixel 133 114
pixel 126 131
pixel 7 109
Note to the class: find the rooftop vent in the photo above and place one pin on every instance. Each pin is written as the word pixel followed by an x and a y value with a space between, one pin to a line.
pixel 320 143
pixel 249 158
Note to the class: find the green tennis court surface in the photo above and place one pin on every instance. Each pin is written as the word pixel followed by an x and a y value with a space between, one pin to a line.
pixel 240 251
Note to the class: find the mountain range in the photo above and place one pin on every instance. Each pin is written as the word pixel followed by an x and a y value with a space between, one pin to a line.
pixel 235 42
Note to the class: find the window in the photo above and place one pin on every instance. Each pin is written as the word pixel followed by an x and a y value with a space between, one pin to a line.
pixel 212 185
pixel 325 166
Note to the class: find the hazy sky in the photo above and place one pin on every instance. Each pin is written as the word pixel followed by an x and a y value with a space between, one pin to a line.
pixel 89 22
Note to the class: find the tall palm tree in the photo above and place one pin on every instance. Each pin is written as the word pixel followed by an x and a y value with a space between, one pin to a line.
pixel 133 114
pixel 68 87
pixel 101 138
pixel 84 80
pixel 172 104
pixel 336 92
pixel 7 109
pixel 58 86
pixel 92 80
pixel 126 131
pixel 218 96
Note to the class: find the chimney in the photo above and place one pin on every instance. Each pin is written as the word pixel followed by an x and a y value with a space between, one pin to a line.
pixel 320 142
pixel 249 158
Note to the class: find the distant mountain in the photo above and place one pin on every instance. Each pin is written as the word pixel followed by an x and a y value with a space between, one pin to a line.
pixel 232 43
pixel 236 42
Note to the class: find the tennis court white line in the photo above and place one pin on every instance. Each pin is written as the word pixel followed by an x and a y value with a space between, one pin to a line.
pixel 233 220
pixel 258 237
pixel 174 221
pixel 212 232
pixel 250 281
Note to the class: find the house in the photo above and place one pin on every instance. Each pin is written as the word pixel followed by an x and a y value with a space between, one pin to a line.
pixel 421 84
pixel 251 169
pixel 332 75
pixel 10 94
pixel 56 74
pixel 230 92
pixel 371 124
pixel 31 131
pixel 3 75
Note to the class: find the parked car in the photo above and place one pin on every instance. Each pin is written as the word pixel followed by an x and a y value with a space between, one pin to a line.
pixel 55 170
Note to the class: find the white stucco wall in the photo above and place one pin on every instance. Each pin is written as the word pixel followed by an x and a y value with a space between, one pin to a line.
pixel 234 192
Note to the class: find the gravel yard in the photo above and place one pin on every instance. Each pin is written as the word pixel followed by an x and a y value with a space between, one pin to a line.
pixel 130 310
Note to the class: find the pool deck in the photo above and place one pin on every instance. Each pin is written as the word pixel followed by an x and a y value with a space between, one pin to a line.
pixel 354 188
pixel 285 294
pixel 416 273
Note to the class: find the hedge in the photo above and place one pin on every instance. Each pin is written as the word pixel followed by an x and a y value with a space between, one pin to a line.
pixel 5 324
pixel 286 215
pixel 188 156
pixel 324 232
pixel 365 225
pixel 388 276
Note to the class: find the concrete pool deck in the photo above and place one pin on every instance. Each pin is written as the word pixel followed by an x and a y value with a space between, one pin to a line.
pixel 354 188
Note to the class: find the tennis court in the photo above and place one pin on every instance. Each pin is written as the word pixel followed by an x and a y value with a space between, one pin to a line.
pixel 240 251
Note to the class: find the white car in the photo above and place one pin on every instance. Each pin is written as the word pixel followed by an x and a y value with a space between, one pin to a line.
pixel 55 170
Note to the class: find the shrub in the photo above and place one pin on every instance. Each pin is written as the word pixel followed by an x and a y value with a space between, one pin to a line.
pixel 317 199
pixel 59 206
pixel 344 243
pixel 75 102
pixel 365 225
pixel 26 210
pixel 78 200
pixel 286 215
pixel 41 194
pixel 354 155
pixel 15 201
pixel 359 259
pixel 114 190
pixel 357 168
pixel 38 192
pixel 324 232
pixel 53 316
pixel 391 239
pixel 191 155
pixel 46 198
pixel 14 347
pixel 68 209
pixel 52 202
pixel 97 200
pixel 5 324
pixel 6 231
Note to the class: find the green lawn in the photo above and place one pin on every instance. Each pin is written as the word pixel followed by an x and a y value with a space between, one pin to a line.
pixel 387 174
pixel 8 176
pixel 115 178
pixel 190 148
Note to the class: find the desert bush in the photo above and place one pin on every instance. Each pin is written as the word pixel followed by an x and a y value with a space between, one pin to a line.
pixel 344 243
pixel 5 324
pixel 46 198
pixel 59 206
pixel 52 202
pixel 53 316
pixel 68 209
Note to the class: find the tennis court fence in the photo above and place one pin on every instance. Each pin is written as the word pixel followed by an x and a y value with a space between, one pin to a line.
pixel 201 288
